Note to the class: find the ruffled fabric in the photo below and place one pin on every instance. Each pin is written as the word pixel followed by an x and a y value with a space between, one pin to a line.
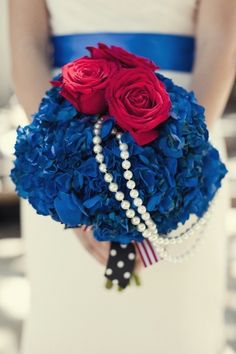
pixel 177 175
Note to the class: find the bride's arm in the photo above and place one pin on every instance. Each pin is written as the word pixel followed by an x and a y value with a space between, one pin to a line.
pixel 29 34
pixel 215 64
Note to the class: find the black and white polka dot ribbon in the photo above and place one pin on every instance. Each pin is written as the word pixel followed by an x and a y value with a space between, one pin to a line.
pixel 120 265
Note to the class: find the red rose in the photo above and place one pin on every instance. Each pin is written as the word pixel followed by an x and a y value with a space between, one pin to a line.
pixel 83 83
pixel 139 102
pixel 117 54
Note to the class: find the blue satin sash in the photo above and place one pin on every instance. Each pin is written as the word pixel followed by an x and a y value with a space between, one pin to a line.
pixel 168 51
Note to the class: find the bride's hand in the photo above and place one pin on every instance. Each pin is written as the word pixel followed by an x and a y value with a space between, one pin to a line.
pixel 99 250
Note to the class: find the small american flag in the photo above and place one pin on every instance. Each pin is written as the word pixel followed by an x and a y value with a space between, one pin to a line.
pixel 147 253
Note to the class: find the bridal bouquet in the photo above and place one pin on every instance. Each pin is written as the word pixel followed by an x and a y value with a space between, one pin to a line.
pixel 118 146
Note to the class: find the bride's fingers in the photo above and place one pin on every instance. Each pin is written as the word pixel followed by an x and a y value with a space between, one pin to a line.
pixel 90 248
pixel 138 263
pixel 89 228
pixel 99 250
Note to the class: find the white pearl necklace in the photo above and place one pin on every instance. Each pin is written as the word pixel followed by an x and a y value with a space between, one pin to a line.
pixel 139 216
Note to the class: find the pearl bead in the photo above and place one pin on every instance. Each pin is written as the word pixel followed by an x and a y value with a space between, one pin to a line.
pixel 130 184
pixel 155 233
pixel 114 131
pixel 157 247
pixel 190 232
pixel 145 216
pixel 184 236
pixel 97 149
pixel 103 167
pixel 125 204
pixel 149 222
pixel 165 254
pixel 141 227
pixel 113 187
pixel 123 147
pixel 153 227
pixel 147 233
pixel 108 177
pixel 135 221
pixel 99 158
pixel 126 164
pixel 130 213
pixel 97 140
pixel 202 221
pixel 119 196
pixel 134 193
pixel 96 131
pixel 128 174
pixel 153 238
pixel 119 135
pixel 138 202
pixel 97 125
pixel 197 227
pixel 142 209
pixel 124 155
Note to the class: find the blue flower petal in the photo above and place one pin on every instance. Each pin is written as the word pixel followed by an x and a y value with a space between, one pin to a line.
pixel 69 213
pixel 107 128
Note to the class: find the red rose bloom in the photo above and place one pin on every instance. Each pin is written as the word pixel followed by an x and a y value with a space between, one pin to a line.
pixel 83 83
pixel 117 54
pixel 139 102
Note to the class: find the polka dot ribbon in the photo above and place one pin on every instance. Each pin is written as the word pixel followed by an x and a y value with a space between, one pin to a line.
pixel 120 265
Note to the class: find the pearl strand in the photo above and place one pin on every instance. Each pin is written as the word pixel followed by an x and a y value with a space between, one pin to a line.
pixel 197 226
pixel 148 227
pixel 113 187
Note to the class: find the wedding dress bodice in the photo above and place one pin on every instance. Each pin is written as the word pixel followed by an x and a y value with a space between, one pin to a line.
pixel 86 16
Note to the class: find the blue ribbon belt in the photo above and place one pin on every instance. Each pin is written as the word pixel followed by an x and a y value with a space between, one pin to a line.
pixel 168 51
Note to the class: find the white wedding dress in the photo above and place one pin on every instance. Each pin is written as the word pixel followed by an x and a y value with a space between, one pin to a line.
pixel 179 308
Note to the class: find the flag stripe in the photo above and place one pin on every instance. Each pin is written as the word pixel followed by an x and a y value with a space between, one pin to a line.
pixel 142 254
pixel 142 257
pixel 147 253
pixel 149 250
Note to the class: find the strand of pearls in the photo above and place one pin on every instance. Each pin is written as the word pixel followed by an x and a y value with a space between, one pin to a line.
pixel 139 216
pixel 143 223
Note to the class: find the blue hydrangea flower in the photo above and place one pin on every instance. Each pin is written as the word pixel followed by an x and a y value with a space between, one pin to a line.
pixel 55 168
